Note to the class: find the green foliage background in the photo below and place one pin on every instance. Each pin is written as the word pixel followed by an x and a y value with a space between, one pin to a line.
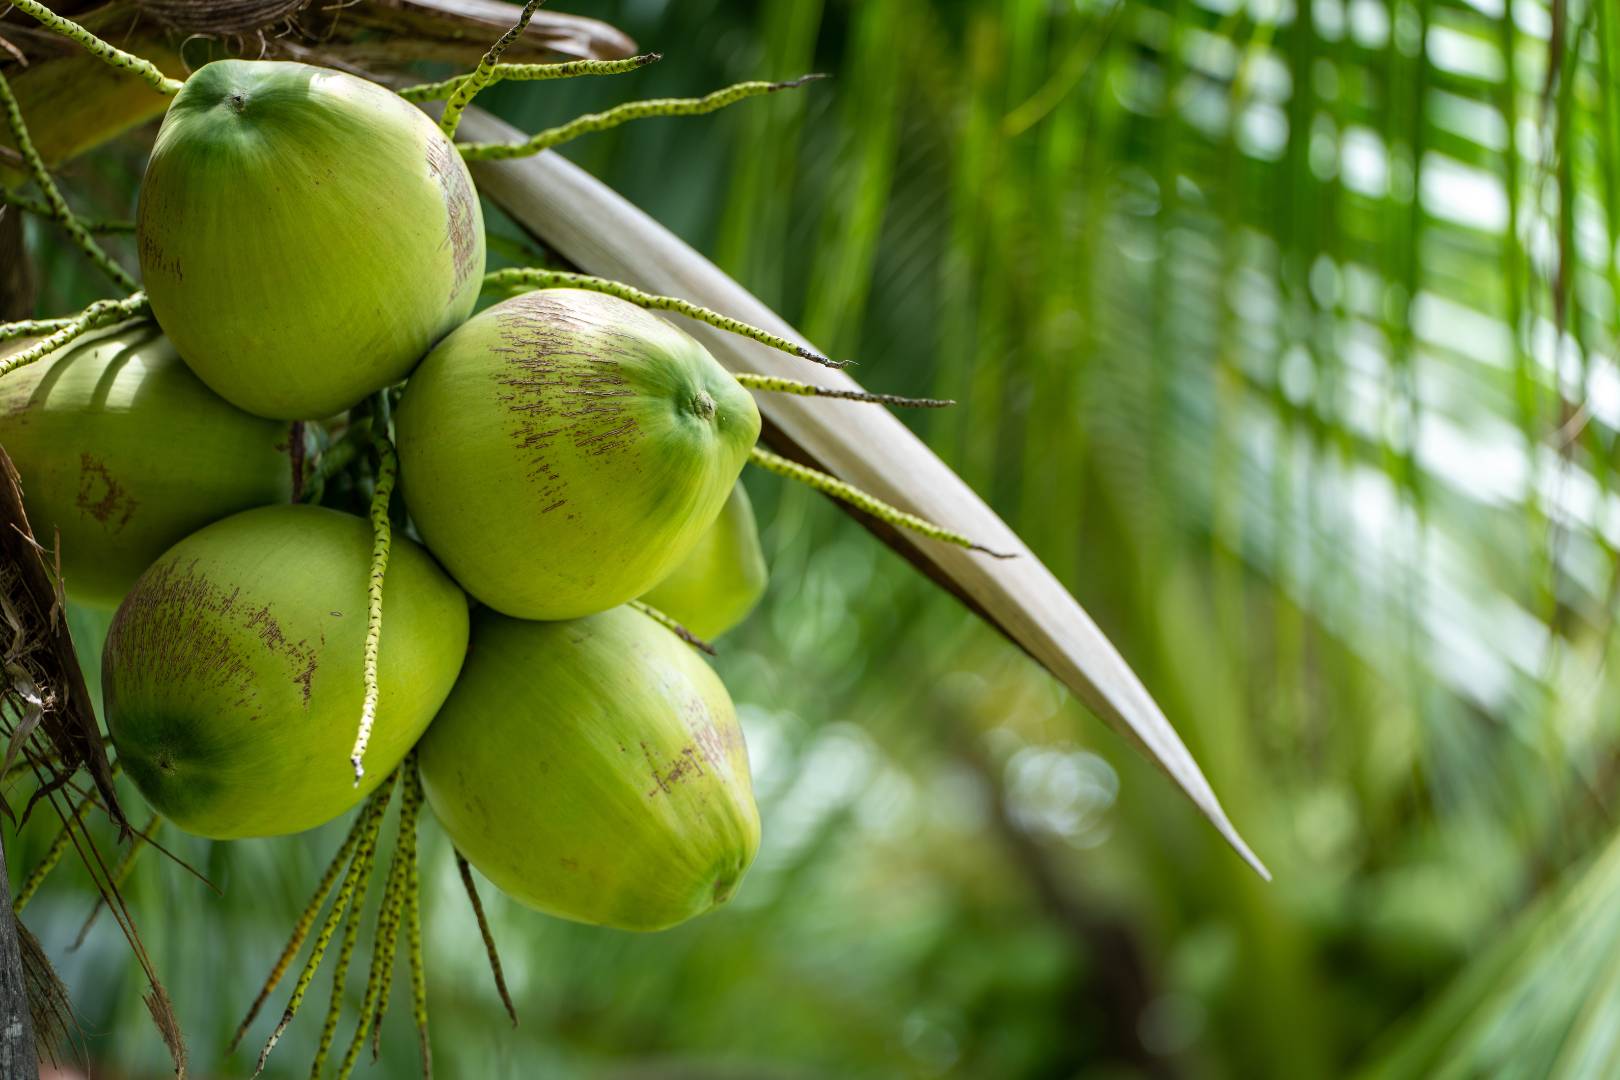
pixel 1284 332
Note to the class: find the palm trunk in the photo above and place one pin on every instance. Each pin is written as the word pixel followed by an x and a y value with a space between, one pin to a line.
pixel 17 1058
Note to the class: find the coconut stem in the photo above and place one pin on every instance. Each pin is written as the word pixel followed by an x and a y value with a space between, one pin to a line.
pixel 483 74
pixel 43 209
pixel 792 386
pixel 409 817
pixel 54 202
pixel 389 918
pixel 489 938
pixel 53 855
pixel 673 627
pixel 854 496
pixel 340 976
pixel 301 928
pixel 120 874
pixel 146 70
pixel 562 279
pixel 359 866
pixel 382 950
pixel 32 328
pixel 99 314
pixel 409 912
pixel 622 114
pixel 436 91
pixel 382 533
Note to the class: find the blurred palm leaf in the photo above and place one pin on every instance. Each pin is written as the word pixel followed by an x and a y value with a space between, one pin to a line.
pixel 1543 1000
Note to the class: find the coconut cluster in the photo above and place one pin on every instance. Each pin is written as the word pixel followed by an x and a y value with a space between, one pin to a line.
pixel 309 240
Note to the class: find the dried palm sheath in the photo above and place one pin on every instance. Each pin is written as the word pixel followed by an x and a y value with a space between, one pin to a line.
pixel 453 29
pixel 220 16
pixel 600 232
pixel 89 102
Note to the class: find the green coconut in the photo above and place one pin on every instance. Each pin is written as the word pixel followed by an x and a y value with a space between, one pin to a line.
pixel 562 451
pixel 305 236
pixel 232 672
pixel 722 578
pixel 122 451
pixel 594 770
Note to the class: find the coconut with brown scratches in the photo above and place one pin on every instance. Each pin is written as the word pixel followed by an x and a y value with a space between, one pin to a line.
pixel 562 451
pixel 232 671
pixel 595 770
pixel 122 452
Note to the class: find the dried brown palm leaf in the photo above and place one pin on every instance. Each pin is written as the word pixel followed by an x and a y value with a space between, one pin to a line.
pixel 168 1025
pixel 34 641
pixel 50 1010
pixel 78 836
pixel 37 647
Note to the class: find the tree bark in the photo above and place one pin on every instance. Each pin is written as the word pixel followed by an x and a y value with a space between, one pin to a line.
pixel 18 1060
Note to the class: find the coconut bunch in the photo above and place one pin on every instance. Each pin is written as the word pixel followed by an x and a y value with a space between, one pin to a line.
pixel 518 634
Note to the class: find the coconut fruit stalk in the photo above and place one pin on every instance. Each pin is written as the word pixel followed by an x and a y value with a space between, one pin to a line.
pixel 594 770
pixel 305 235
pixel 122 452
pixel 562 451
pixel 722 578
pixel 232 671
